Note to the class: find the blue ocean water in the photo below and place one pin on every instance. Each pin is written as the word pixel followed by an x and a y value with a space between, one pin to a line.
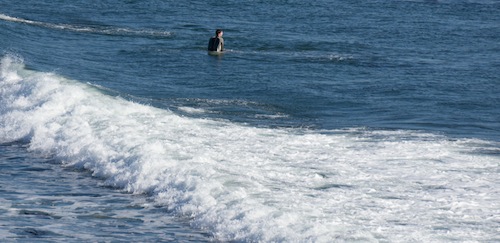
pixel 323 121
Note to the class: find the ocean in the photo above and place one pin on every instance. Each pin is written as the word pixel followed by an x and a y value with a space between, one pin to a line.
pixel 323 121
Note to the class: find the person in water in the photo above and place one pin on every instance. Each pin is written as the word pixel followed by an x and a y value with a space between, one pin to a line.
pixel 216 43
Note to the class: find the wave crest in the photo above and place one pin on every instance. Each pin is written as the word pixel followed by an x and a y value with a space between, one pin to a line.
pixel 253 184
pixel 104 30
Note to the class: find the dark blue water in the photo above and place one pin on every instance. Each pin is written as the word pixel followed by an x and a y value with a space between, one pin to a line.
pixel 41 202
pixel 418 77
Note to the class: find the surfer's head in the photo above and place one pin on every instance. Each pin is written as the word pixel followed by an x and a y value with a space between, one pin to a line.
pixel 218 32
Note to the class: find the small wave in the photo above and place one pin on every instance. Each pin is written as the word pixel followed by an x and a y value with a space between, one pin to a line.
pixel 272 116
pixel 338 57
pixel 249 109
pixel 104 30
pixel 324 58
pixel 192 110
pixel 301 56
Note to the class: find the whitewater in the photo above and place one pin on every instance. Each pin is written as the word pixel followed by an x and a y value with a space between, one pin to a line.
pixel 244 183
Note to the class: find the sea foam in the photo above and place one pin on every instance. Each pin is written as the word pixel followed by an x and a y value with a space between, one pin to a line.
pixel 259 184
pixel 104 30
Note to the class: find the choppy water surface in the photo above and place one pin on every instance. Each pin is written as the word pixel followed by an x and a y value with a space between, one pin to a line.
pixel 42 201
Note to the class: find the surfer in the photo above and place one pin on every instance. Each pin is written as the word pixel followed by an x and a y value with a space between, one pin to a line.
pixel 216 43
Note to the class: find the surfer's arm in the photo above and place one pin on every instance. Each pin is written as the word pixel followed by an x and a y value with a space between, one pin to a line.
pixel 222 44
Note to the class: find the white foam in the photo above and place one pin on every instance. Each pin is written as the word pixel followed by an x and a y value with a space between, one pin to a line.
pixel 192 110
pixel 257 184
pixel 89 29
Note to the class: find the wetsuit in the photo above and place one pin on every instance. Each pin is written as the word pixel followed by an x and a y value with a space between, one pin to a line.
pixel 216 44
